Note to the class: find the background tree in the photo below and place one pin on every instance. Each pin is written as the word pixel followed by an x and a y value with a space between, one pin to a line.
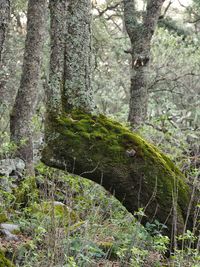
pixel 4 20
pixel 24 107
pixel 140 34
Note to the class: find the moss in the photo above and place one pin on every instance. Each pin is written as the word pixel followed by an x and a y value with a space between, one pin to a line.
pixel 61 213
pixel 100 148
pixel 3 217
pixel 4 262
pixel 26 193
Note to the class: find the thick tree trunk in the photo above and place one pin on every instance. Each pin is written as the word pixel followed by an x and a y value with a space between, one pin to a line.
pixel 24 107
pixel 4 20
pixel 58 10
pixel 77 91
pixel 140 35
pixel 69 75
pixel 134 171
pixel 103 151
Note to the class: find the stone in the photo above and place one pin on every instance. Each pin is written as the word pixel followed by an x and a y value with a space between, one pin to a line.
pixel 7 166
pixel 10 227
pixel 8 235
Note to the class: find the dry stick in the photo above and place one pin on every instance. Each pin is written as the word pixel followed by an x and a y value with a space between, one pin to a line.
pixel 190 206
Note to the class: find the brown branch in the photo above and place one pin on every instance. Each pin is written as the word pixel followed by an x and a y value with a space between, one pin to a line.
pixel 108 8
pixel 167 8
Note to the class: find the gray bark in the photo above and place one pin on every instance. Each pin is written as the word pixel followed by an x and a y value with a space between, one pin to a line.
pixel 58 10
pixel 140 35
pixel 4 20
pixel 77 92
pixel 69 77
pixel 24 107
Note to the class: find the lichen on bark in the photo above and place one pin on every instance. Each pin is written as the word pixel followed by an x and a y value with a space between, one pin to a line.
pixel 4 21
pixel 78 92
pixel 27 95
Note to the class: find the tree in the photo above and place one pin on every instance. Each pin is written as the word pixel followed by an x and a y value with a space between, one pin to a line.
pixel 4 20
pixel 140 34
pixel 100 149
pixel 24 107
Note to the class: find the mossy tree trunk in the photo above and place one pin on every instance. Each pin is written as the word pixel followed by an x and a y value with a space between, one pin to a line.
pixel 26 99
pixel 140 35
pixel 102 150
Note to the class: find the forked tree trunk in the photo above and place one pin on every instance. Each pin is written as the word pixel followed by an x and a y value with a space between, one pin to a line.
pixel 26 99
pixel 4 21
pixel 140 35
pixel 102 150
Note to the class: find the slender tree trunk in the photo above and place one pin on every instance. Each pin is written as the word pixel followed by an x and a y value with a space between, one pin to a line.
pixel 24 107
pixel 140 35
pixel 4 20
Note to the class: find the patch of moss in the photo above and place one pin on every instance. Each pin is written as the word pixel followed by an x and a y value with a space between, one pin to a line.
pixel 97 148
pixel 4 262
pixel 62 214
pixel 3 217
pixel 26 192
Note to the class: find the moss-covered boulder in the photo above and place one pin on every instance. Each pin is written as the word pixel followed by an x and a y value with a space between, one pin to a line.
pixel 4 262
pixel 133 170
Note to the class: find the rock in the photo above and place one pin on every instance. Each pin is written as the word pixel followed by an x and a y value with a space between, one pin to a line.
pixel 9 236
pixel 8 166
pixel 58 203
pixel 5 184
pixel 10 227
pixel 20 164
pixel 8 230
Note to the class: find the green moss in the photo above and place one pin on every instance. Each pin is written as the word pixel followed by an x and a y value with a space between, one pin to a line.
pixel 4 262
pixel 100 144
pixel 3 217
pixel 26 193
pixel 62 214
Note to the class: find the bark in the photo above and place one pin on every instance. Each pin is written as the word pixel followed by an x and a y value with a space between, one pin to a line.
pixel 134 171
pixel 58 9
pixel 24 107
pixel 77 89
pixel 69 75
pixel 140 35
pixel 4 21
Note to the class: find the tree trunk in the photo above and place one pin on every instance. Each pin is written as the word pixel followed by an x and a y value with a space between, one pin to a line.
pixel 77 92
pixel 58 9
pixel 140 35
pixel 24 107
pixel 4 20
pixel 104 151
pixel 134 171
